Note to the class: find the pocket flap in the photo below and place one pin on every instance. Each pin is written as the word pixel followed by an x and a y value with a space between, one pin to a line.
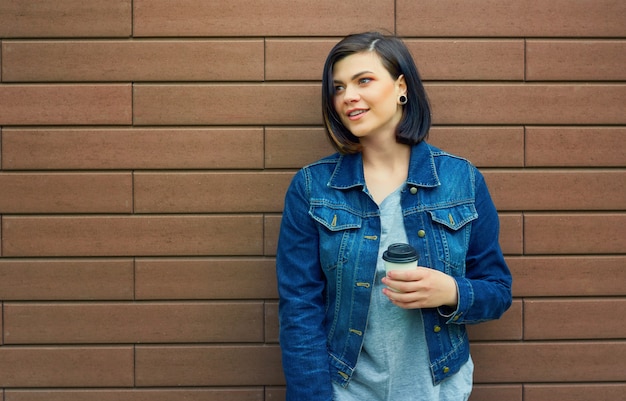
pixel 455 217
pixel 335 219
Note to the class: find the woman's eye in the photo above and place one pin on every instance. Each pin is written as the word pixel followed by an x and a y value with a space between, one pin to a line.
pixel 365 80
pixel 338 88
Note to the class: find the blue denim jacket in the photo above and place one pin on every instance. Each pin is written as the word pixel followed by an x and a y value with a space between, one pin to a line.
pixel 326 262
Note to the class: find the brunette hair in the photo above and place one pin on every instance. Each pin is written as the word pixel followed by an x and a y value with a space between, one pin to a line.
pixel 397 60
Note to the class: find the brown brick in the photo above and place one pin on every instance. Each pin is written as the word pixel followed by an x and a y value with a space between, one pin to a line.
pixel 579 233
pixel 544 362
pixel 62 18
pixel 575 60
pixel 272 229
pixel 508 327
pixel 445 59
pixel 557 319
pixel 110 323
pixel 295 147
pixel 558 190
pixel 66 279
pixel 66 193
pixel 511 233
pixel 232 104
pixel 136 235
pixel 527 103
pixel 124 148
pixel 546 276
pixel 212 365
pixel 161 394
pixel 563 146
pixel 66 366
pixel 280 63
pixel 210 192
pixel 275 393
pixel 529 18
pixel 139 60
pixel 436 59
pixel 574 392
pixel 214 278
pixel 260 18
pixel 483 146
pixel 51 104
pixel 496 392
pixel 271 322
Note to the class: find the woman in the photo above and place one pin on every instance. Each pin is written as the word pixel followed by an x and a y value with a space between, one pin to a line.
pixel 344 333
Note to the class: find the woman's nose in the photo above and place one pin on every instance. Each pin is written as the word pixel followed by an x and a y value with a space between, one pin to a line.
pixel 351 94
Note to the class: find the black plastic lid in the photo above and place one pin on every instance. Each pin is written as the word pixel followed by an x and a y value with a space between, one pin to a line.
pixel 400 253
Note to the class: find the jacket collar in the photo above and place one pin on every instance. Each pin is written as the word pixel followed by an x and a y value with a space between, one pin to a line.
pixel 348 172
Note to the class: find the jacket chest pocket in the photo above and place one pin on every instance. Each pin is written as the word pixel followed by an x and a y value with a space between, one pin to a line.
pixel 452 229
pixel 338 230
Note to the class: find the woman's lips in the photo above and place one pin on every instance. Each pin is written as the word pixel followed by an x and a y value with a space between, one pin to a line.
pixel 356 114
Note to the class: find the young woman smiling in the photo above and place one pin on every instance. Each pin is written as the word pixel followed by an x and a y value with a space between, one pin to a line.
pixel 349 331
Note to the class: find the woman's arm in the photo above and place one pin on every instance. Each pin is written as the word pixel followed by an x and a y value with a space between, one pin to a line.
pixel 301 285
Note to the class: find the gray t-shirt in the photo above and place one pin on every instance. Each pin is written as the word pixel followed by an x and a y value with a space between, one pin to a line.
pixel 393 364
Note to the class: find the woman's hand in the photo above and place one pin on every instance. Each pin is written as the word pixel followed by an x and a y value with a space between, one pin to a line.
pixel 420 288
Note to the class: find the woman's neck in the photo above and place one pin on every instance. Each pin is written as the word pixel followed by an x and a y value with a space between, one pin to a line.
pixel 385 168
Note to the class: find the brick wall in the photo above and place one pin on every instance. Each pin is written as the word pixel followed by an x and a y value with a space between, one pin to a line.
pixel 146 147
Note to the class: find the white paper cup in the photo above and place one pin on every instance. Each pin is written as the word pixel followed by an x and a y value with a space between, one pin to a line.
pixel 400 257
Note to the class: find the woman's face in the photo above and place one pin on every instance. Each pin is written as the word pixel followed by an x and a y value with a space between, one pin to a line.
pixel 366 96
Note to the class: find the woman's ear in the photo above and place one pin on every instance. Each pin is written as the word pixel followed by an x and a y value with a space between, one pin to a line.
pixel 401 85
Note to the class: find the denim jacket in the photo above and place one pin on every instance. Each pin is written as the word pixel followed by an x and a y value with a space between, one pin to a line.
pixel 326 262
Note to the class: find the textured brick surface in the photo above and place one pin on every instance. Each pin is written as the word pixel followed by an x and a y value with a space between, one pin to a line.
pixel 92 323
pixel 558 190
pixel 49 104
pixel 142 60
pixel 568 276
pixel 529 18
pixel 527 104
pixel 66 193
pixel 575 147
pixel 235 104
pixel 192 394
pixel 210 192
pixel 137 235
pixel 146 145
pixel 96 149
pixel 103 366
pixel 580 233
pixel 574 392
pixel 66 279
pixel 575 60
pixel 496 392
pixel 203 278
pixel 260 18
pixel 548 319
pixel 207 365
pixel 61 18
pixel 544 362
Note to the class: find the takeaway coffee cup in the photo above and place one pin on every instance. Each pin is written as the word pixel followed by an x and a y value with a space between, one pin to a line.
pixel 400 257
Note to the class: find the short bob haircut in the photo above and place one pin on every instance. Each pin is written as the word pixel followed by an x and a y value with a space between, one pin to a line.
pixel 396 58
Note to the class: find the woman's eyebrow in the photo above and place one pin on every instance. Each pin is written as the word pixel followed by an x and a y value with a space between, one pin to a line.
pixel 355 76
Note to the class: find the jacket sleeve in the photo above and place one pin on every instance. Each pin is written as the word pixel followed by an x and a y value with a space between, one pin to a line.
pixel 485 291
pixel 301 285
